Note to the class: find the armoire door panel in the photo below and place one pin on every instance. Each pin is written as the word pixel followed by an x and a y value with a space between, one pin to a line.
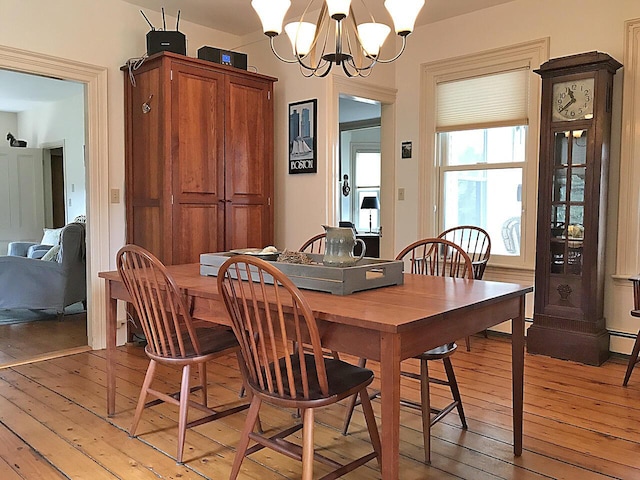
pixel 147 221
pixel 198 134
pixel 196 230
pixel 248 143
pixel 147 172
pixel 246 226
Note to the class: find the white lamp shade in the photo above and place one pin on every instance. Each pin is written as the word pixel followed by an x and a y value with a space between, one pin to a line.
pixel 301 35
pixel 372 36
pixel 271 13
pixel 338 7
pixel 404 14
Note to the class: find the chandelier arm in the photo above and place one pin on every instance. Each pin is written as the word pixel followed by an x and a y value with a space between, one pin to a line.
pixel 278 56
pixel 361 69
pixel 326 72
pixel 365 9
pixel 404 45
pixel 314 44
pixel 322 62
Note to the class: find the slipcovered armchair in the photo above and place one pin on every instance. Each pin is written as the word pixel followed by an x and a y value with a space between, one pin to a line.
pixel 41 284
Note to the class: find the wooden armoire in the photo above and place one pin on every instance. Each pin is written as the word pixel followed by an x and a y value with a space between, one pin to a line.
pixel 198 157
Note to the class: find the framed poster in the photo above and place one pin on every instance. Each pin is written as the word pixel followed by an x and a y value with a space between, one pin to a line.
pixel 302 137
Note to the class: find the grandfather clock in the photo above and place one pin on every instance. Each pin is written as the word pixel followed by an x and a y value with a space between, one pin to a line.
pixel 575 131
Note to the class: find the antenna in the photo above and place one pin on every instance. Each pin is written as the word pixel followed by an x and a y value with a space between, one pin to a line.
pixel 164 23
pixel 178 21
pixel 145 17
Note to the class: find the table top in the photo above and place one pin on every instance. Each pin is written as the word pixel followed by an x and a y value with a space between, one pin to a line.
pixel 388 309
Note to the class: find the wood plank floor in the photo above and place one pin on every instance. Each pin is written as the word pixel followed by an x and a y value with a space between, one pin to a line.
pixel 580 423
pixel 42 338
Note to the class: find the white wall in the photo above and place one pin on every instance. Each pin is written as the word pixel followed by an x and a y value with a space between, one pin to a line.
pixel 8 123
pixel 59 123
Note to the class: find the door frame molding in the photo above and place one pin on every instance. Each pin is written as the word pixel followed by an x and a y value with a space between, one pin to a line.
pixel 97 168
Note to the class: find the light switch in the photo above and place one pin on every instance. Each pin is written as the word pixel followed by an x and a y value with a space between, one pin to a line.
pixel 115 195
pixel 401 194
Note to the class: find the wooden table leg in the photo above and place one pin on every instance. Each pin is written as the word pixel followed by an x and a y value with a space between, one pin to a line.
pixel 112 318
pixel 390 399
pixel 517 374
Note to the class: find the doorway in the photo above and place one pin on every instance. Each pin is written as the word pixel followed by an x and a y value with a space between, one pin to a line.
pixel 94 79
pixel 382 100
pixel 55 212
pixel 360 168
pixel 59 113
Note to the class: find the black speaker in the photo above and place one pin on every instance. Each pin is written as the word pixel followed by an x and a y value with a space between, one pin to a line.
pixel 166 41
pixel 225 57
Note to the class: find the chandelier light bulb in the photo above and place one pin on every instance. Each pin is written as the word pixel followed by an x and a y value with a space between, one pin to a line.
pixel 404 14
pixel 372 36
pixel 301 35
pixel 271 13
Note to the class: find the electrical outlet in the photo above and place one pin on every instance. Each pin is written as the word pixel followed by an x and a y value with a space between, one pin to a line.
pixel 115 195
pixel 401 194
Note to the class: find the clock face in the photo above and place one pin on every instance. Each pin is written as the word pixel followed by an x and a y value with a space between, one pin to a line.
pixel 573 100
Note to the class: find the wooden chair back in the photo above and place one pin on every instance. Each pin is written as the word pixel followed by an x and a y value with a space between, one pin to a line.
pixel 270 318
pixel 315 244
pixel 166 321
pixel 475 242
pixel 437 257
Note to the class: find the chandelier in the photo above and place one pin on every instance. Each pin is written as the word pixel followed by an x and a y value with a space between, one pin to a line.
pixel 357 45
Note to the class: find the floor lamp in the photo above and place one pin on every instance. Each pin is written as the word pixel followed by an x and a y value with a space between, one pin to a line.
pixel 370 203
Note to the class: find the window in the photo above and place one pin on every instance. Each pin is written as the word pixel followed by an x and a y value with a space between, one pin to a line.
pixel 480 126
pixel 481 139
pixel 367 184
pixel 481 175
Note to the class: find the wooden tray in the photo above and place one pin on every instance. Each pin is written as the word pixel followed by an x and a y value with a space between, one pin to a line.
pixel 367 274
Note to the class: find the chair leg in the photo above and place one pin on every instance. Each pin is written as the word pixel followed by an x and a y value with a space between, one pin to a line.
pixel 455 391
pixel 202 369
pixel 426 409
pixel 243 372
pixel 372 426
pixel 243 443
pixel 184 408
pixel 633 359
pixel 467 341
pixel 148 378
pixel 351 404
pixel 307 444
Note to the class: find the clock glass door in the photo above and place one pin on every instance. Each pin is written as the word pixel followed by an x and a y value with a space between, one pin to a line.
pixel 567 202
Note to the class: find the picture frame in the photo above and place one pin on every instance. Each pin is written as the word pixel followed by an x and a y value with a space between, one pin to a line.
pixel 407 148
pixel 303 155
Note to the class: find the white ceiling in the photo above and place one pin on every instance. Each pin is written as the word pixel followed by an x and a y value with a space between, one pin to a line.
pixel 22 91
pixel 238 18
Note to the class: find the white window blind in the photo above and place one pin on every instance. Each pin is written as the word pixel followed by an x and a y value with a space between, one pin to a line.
pixel 482 102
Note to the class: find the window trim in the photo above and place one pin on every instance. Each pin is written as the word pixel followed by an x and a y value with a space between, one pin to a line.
pixel 526 55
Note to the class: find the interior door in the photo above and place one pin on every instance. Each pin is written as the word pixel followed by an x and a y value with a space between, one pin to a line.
pixel 21 195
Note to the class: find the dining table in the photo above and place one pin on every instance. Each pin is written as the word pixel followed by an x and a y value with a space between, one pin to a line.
pixel 388 324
